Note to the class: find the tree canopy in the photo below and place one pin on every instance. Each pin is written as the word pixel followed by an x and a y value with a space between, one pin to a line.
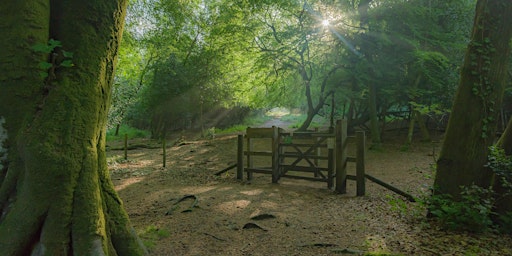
pixel 195 56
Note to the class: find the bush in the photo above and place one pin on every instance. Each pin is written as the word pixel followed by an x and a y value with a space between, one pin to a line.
pixel 125 129
pixel 475 210
pixel 471 213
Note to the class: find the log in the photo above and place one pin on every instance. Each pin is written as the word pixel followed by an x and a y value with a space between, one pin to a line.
pixel 189 209
pixel 226 169
pixel 390 187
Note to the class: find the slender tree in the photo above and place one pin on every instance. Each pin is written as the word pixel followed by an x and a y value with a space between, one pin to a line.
pixel 56 70
pixel 473 121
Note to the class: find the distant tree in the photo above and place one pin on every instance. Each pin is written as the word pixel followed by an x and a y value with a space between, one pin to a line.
pixel 472 124
pixel 56 72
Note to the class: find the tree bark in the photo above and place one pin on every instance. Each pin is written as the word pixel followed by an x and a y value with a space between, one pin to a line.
pixel 56 195
pixel 473 120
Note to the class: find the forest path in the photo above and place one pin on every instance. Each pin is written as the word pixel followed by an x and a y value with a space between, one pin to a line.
pixel 308 218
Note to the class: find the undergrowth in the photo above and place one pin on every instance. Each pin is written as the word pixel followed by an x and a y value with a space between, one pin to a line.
pixel 125 129
pixel 475 210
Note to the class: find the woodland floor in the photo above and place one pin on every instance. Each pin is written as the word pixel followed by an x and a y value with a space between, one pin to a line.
pixel 297 217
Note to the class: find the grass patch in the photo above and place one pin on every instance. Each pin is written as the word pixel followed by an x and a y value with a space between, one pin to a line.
pixel 297 120
pixel 152 234
pixel 251 121
pixel 125 129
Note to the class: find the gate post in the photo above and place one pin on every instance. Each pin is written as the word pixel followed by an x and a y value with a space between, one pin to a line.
pixel 275 154
pixel 240 158
pixel 360 159
pixel 250 162
pixel 341 156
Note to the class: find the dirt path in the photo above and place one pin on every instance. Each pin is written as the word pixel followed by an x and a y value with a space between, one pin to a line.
pixel 299 217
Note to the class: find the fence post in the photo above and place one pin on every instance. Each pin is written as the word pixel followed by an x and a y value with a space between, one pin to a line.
pixel 275 154
pixel 125 146
pixel 360 159
pixel 240 158
pixel 164 152
pixel 331 163
pixel 250 162
pixel 318 153
pixel 341 156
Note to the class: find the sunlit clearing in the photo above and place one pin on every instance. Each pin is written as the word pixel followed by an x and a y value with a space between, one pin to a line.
pixel 252 192
pixel 377 244
pixel 127 182
pixel 233 207
pixel 326 23
pixel 197 190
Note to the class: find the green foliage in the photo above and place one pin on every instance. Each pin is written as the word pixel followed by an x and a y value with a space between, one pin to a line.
pixel 472 212
pixel 51 48
pixel 152 234
pixel 125 129
pixel 505 223
pixel 501 165
pixel 297 120
pixel 224 53
pixel 48 47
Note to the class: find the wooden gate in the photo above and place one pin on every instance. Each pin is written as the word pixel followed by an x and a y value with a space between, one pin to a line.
pixel 314 156
pixel 307 152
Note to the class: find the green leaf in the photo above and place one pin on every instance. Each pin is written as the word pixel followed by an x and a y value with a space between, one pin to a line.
pixel 43 48
pixel 54 43
pixel 67 64
pixel 45 65
pixel 43 74
pixel 67 54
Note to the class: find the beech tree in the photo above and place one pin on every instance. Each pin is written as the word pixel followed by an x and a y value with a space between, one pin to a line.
pixel 473 121
pixel 57 63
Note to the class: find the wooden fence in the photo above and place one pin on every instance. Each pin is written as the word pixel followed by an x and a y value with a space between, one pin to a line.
pixel 322 154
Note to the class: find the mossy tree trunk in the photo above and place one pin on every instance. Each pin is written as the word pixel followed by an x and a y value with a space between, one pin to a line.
pixel 473 120
pixel 56 197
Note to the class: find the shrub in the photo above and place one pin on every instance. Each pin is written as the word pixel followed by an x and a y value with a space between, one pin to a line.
pixel 471 213
pixel 130 131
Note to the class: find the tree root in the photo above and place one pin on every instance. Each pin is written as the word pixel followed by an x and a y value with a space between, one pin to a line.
pixel 189 209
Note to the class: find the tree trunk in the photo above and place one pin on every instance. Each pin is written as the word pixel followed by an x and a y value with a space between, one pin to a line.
pixel 473 120
pixel 363 7
pixel 374 120
pixel 56 195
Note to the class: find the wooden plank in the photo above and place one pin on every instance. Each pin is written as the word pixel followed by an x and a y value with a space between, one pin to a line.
pixel 259 132
pixel 351 159
pixel 303 178
pixel 303 168
pixel 296 154
pixel 258 153
pixel 260 170
pixel 351 177
pixel 308 145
